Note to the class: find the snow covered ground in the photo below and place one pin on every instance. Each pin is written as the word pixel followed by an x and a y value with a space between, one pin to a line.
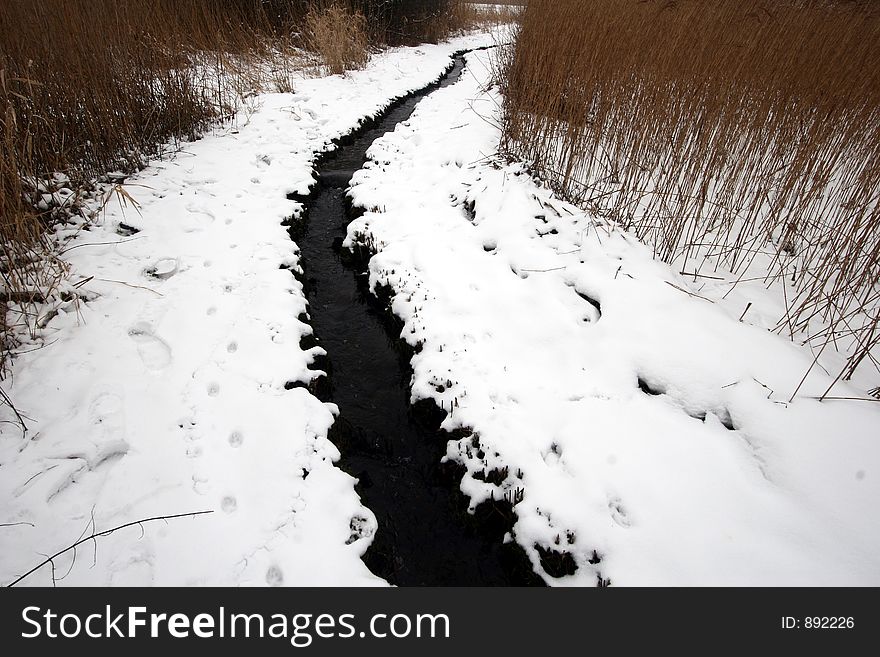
pixel 638 425
pixel 647 430
pixel 159 388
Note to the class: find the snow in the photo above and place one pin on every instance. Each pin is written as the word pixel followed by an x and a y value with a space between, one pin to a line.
pixel 159 387
pixel 544 330
pixel 650 433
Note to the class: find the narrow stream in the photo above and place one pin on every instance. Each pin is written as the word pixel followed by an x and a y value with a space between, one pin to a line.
pixel 425 535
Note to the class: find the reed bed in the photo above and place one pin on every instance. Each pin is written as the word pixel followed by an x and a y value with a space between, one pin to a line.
pixel 475 15
pixel 740 136
pixel 339 34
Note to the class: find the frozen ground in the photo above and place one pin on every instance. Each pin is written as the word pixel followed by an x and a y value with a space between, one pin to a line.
pixel 642 428
pixel 162 390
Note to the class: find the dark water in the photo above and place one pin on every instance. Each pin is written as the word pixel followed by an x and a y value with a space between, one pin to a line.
pixel 425 535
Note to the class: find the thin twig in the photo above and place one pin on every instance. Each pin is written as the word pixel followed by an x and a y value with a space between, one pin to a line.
pixel 867 399
pixel 139 287
pixel 681 289
pixel 106 532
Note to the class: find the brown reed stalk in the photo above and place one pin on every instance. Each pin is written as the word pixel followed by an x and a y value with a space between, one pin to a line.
pixel 734 127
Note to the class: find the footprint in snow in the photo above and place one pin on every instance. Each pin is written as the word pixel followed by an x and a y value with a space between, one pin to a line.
pixel 153 351
pixel 200 484
pixel 618 513
pixel 196 219
pixel 594 308
pixel 163 269
pixel 132 567
pixel 274 576
pixel 106 438
pixel 191 437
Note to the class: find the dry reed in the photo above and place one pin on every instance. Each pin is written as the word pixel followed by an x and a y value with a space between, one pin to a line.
pixel 463 16
pixel 735 135
pixel 339 35
pixel 95 86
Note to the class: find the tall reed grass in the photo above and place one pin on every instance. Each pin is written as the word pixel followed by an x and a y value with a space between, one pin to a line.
pixel 474 15
pixel 339 34
pixel 742 136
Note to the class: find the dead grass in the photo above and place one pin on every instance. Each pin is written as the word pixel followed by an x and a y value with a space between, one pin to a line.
pixel 734 135
pixel 339 34
pixel 463 16
pixel 92 86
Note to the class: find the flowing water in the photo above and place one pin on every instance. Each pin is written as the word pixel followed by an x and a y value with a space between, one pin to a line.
pixel 425 535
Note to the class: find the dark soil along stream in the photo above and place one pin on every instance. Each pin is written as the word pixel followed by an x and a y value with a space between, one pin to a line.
pixel 425 535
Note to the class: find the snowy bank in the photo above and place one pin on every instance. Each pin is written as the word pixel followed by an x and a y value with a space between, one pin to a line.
pixel 644 433
pixel 160 387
